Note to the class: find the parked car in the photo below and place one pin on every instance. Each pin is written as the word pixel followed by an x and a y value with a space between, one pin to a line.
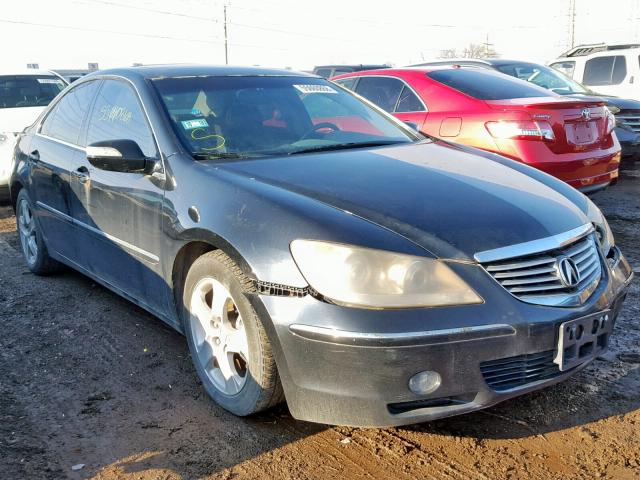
pixel 625 111
pixel 328 71
pixel 23 96
pixel 311 247
pixel 566 137
pixel 610 69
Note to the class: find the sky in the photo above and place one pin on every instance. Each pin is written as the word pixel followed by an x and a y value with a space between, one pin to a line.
pixel 298 34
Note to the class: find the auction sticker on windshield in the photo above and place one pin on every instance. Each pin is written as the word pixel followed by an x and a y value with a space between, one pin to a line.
pixel 315 89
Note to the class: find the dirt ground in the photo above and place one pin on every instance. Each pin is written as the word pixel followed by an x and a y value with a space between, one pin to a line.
pixel 93 387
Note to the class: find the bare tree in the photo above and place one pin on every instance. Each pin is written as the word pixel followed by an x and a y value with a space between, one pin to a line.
pixel 473 50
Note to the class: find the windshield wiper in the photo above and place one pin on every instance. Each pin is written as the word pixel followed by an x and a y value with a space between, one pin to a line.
pixel 222 155
pixel 345 146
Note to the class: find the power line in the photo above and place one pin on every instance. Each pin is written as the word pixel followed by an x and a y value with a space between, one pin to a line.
pixel 153 10
pixel 115 32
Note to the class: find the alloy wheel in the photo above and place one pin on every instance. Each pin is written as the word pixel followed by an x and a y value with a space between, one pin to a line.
pixel 219 336
pixel 27 229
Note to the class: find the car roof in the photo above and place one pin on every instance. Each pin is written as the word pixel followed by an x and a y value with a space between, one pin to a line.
pixel 173 71
pixel 25 71
pixel 493 62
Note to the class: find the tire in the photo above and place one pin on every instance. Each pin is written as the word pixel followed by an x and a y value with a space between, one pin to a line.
pixel 240 375
pixel 34 249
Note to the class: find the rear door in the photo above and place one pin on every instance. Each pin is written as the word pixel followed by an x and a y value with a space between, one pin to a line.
pixel 53 150
pixel 119 214
pixel 394 96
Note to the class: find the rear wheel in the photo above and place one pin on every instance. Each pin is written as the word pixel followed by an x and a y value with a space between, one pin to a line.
pixel 31 240
pixel 228 344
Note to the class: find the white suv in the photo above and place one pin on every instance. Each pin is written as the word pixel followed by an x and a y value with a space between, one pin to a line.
pixel 23 96
pixel 608 69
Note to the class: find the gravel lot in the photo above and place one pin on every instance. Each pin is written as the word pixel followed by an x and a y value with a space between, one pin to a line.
pixel 87 378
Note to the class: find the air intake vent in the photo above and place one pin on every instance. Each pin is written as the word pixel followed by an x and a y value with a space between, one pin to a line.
pixel 512 372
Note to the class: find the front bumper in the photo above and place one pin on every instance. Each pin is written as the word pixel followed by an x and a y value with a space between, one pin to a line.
pixel 629 142
pixel 352 366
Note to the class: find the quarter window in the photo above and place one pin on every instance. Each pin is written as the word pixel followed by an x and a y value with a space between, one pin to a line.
pixel 565 67
pixel 383 91
pixel 609 70
pixel 64 121
pixel 118 115
pixel 409 102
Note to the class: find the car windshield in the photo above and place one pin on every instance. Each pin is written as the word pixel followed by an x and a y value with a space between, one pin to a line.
pixel 29 90
pixel 544 77
pixel 248 116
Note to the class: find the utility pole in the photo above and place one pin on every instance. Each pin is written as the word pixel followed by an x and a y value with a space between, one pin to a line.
pixel 486 47
pixel 226 42
pixel 572 23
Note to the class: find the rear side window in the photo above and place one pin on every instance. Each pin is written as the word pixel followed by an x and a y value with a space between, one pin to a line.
pixel 485 85
pixel 409 102
pixel 383 91
pixel 609 70
pixel 118 115
pixel 565 67
pixel 64 121
pixel 29 90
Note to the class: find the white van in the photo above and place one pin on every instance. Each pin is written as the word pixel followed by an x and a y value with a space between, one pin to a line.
pixel 607 69
pixel 23 96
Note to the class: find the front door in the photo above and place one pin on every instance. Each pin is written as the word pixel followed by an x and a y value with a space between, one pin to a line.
pixel 119 214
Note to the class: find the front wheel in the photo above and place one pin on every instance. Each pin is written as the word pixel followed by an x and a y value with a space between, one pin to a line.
pixel 228 344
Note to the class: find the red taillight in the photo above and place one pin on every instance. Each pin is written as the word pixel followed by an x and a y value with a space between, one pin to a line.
pixel 521 130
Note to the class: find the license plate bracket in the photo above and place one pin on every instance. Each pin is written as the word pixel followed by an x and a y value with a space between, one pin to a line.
pixel 582 339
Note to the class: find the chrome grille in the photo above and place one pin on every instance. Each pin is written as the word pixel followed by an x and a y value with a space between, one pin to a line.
pixel 632 120
pixel 535 278
pixel 506 373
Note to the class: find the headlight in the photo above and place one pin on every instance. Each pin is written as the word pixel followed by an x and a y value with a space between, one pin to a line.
pixel 611 121
pixel 3 138
pixel 603 232
pixel 613 109
pixel 364 277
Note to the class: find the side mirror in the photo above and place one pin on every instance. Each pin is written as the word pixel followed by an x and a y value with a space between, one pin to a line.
pixel 119 156
pixel 412 126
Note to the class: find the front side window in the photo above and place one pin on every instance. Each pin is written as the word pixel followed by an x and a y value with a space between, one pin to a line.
pixel 230 117
pixel 64 121
pixel 486 85
pixel 29 90
pixel 383 91
pixel 118 115
pixel 609 70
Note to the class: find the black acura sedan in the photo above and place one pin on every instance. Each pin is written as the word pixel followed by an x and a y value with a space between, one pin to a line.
pixel 314 249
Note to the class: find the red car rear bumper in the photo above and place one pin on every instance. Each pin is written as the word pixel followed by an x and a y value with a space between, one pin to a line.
pixel 588 171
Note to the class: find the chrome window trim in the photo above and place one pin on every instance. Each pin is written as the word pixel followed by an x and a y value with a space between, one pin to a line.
pixel 426 110
pixel 62 142
pixel 532 247
pixel 148 255
pixel 442 336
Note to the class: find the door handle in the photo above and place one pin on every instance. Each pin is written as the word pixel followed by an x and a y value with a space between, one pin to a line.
pixel 82 174
pixel 34 156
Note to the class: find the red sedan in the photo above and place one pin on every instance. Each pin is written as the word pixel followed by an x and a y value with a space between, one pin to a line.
pixel 565 137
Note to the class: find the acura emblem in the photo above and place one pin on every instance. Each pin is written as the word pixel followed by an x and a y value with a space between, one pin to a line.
pixel 586 114
pixel 568 272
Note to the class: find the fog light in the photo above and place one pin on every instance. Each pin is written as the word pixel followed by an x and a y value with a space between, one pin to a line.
pixel 424 382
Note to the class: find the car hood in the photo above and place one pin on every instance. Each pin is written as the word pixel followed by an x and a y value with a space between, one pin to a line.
pixel 448 201
pixel 14 120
